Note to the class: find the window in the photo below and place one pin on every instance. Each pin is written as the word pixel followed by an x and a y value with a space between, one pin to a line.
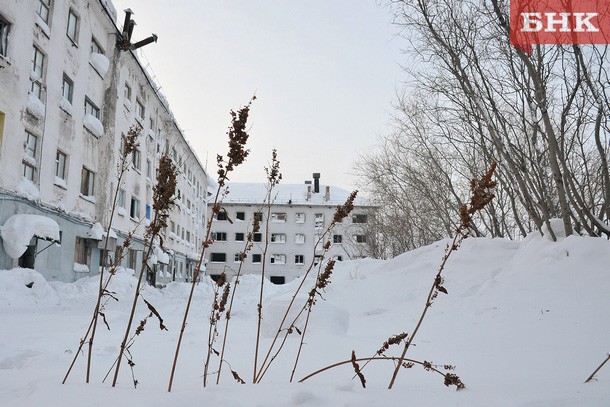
pixel 219 236
pixel 28 170
pixel 257 258
pixel 133 259
pixel 258 237
pixel 72 29
pixel 87 182
pixel 31 142
pixel 278 259
pixel 222 215
pixel 29 157
pixel 218 257
pixel 136 158
pixel 360 238
pixel 299 218
pixel 299 259
pixel 240 216
pixel 82 251
pixel 4 29
pixel 96 48
pixel 278 238
pixel 359 218
pixel 239 237
pixel 337 239
pixel 127 92
pixel 92 109
pixel 60 165
pixel 237 257
pixel 148 169
pixel 122 197
pixel 319 220
pixel 67 88
pixel 277 279
pixel 278 217
pixel 43 10
pixel 258 216
pixel 299 238
pixel 139 109
pixel 134 210
pixel 37 72
pixel 149 215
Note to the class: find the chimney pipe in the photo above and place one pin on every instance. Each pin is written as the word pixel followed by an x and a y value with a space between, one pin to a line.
pixel 327 194
pixel 316 182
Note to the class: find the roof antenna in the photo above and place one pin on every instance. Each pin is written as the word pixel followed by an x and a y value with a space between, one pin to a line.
pixel 124 40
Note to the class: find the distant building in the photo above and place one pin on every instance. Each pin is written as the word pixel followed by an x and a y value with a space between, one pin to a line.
pixel 68 89
pixel 299 214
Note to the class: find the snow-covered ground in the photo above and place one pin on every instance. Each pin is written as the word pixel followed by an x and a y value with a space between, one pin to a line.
pixel 525 323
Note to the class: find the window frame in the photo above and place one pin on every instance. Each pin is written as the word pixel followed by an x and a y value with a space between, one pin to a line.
pixel 136 159
pixel 134 206
pixel 46 6
pixel 92 109
pixel 277 238
pixel 37 67
pixel 72 30
pixel 139 110
pixel 87 182
pixel 70 85
pixel 218 255
pixel 5 29
pixel 61 164
pixel 298 257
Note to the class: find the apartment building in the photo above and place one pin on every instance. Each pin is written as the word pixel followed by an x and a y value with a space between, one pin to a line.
pixel 70 86
pixel 291 229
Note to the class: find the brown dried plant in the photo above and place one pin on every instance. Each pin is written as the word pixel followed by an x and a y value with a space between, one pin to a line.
pixel 163 200
pixel 481 194
pixel 128 145
pixel 242 257
pixel 238 137
pixel 274 176
pixel 341 212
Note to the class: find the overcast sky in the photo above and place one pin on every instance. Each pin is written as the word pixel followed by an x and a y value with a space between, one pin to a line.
pixel 324 73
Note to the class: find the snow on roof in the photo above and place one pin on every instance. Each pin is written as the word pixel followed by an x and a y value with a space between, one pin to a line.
pixel 18 230
pixel 296 194
pixel 97 232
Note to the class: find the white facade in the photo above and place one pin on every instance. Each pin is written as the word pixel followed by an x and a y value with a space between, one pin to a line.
pixel 67 94
pixel 298 216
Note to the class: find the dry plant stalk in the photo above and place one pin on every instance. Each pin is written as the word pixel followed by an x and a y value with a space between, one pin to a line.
pixel 481 195
pixel 163 200
pixel 242 256
pixel 322 281
pixel 341 212
pixel 273 179
pixel 238 137
pixel 218 308
pixel 598 368
pixel 449 378
pixel 129 144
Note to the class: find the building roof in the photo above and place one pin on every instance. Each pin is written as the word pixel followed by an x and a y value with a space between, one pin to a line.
pixel 296 194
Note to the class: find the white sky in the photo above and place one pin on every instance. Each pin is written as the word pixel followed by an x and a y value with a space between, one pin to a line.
pixel 324 73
